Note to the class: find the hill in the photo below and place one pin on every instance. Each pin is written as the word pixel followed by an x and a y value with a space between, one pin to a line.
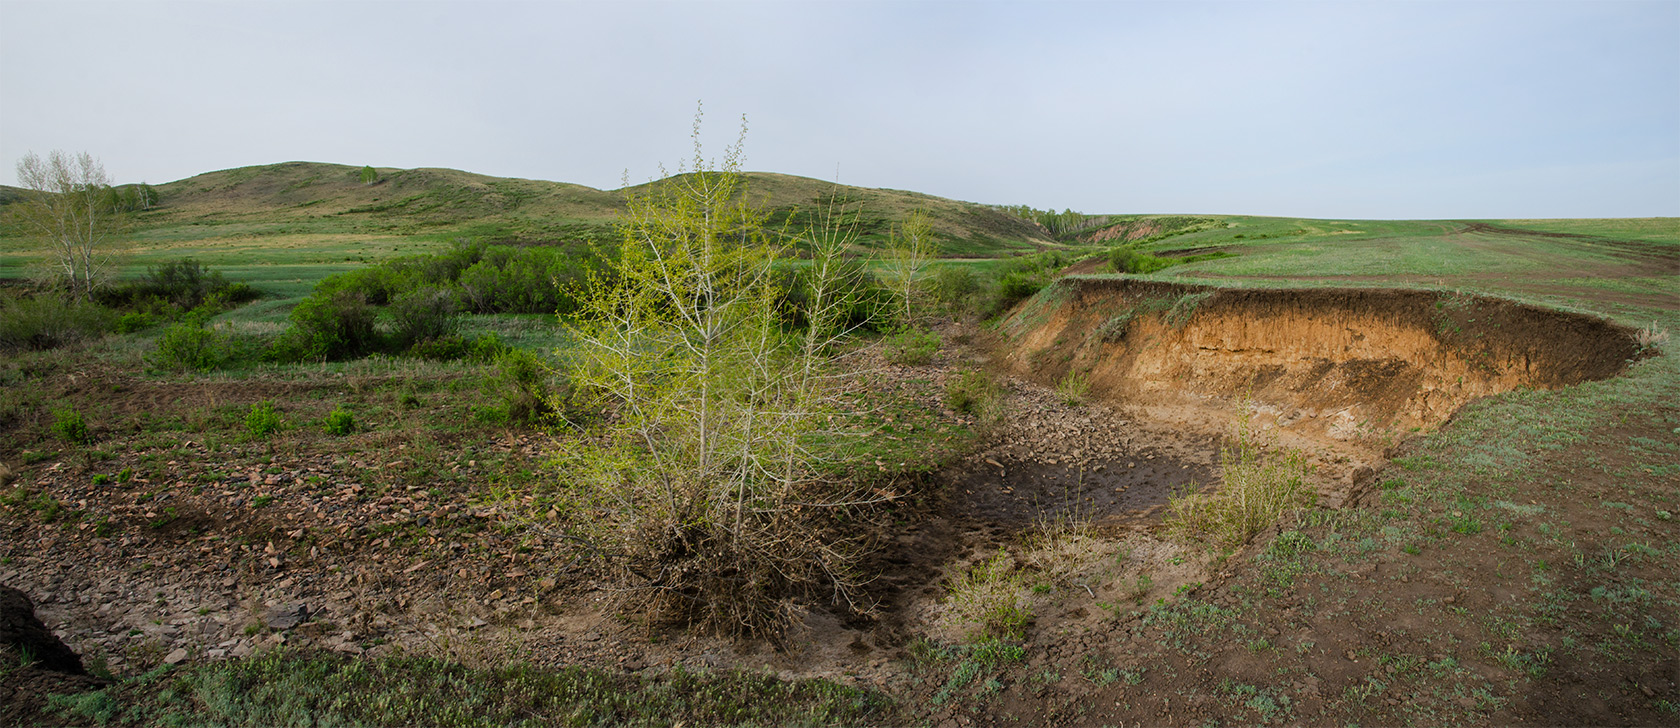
pixel 329 199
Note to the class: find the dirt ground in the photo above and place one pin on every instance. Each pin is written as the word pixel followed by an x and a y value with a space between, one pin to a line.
pixel 1130 625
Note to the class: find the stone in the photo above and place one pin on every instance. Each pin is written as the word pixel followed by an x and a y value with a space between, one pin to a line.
pixel 175 658
pixel 287 616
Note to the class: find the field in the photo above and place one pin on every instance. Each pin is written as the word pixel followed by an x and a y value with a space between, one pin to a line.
pixel 1482 413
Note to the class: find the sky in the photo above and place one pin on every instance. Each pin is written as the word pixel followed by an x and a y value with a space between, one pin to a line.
pixel 1374 110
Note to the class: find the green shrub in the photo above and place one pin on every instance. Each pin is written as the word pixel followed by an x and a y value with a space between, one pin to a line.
pixel 333 326
pixel 520 382
pixel 183 346
pixel 135 321
pixel 422 314
pixel 262 420
pixel 340 421
pixel 50 321
pixel 911 347
pixel 69 426
pixel 1127 260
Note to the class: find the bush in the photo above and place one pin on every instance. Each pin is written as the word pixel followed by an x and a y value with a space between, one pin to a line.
pixel 262 420
pixel 422 314
pixel 952 284
pixel 69 426
pixel 333 326
pixel 1127 260
pixel 911 347
pixel 520 383
pixel 184 346
pixel 180 285
pixel 49 321
pixel 340 421
pixel 974 393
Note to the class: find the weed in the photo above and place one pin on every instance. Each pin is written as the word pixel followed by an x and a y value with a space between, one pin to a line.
pixel 1073 387
pixel 262 420
pixel 974 393
pixel 340 421
pixel 989 599
pixel 69 426
pixel 1257 489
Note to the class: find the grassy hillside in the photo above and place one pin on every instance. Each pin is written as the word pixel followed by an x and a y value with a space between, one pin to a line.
pixel 285 225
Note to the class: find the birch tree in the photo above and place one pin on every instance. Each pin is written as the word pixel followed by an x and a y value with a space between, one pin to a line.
pixel 66 210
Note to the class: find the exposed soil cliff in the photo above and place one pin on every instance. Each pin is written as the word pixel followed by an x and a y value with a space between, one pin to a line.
pixel 1325 363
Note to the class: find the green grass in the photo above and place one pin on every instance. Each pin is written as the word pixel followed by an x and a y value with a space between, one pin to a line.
pixel 291 688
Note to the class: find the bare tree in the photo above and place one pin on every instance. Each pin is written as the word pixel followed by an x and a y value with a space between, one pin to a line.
pixel 66 208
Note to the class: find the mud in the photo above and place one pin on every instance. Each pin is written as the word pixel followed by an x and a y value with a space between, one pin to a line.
pixel 1106 491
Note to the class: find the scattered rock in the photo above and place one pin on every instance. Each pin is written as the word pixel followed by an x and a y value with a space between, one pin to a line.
pixel 175 657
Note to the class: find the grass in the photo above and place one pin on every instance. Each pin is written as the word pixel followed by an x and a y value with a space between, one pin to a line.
pixel 1256 489
pixel 298 688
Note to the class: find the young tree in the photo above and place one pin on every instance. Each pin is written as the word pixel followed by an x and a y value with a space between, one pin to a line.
pixel 908 257
pixel 705 480
pixel 67 209
pixel 368 175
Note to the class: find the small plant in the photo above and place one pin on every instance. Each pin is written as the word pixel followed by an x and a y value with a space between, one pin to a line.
pixel 974 393
pixel 262 501
pixel 184 346
pixel 911 347
pixel 69 426
pixel 989 598
pixel 1073 388
pixel 340 421
pixel 1258 487
pixel 1651 336
pixel 262 420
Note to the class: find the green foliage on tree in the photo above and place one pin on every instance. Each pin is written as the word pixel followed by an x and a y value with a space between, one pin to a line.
pixel 707 480
pixel 368 175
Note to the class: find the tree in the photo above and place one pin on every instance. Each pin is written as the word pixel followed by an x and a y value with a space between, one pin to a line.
pixel 368 175
pixel 67 208
pixel 911 251
pixel 706 481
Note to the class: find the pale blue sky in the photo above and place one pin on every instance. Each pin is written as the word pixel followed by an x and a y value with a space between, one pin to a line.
pixel 1329 109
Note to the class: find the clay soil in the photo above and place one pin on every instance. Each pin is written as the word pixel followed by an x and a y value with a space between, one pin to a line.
pixel 1388 609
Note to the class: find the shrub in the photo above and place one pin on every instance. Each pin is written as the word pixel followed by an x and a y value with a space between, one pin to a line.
pixel 973 392
pixel 332 326
pixel 49 321
pixel 422 314
pixel 262 420
pixel 912 346
pixel 520 382
pixel 1127 260
pixel 1256 489
pixel 340 421
pixel 183 346
pixel 69 426
pixel 952 284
